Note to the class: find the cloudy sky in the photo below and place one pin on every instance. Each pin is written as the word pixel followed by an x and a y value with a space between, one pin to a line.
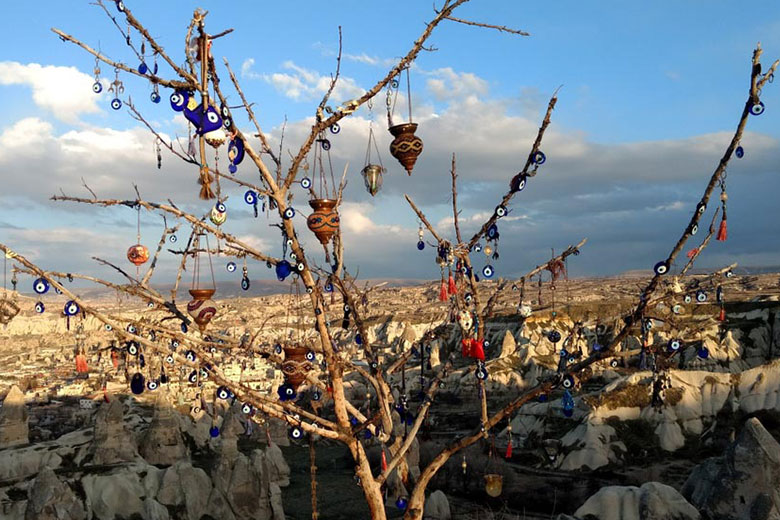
pixel 651 95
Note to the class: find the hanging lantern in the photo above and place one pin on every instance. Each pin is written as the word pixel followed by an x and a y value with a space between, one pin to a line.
pixel 138 254
pixel 494 484
pixel 372 177
pixel 297 363
pixel 201 308
pixel 406 147
pixel 218 214
pixel 324 221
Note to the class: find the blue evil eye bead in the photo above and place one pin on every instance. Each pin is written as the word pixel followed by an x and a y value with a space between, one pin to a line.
pixel 132 329
pixel 613 363
pixel 468 298
pixel 190 355
pixel 310 356
pixel 325 144
pixel 245 283
pixel 246 408
pixel 116 103
pixel 214 432
pixel 71 308
pixel 301 266
pixel 687 298
pixel 231 267
pixel 543 398
pixel 278 349
pixel 132 348
pixel 163 378
pixel 223 392
pixel 184 327
pixel 677 308
pixel 316 396
pixel 41 286
pixel 693 229
pixel 220 207
pixel 137 383
pixel 481 373
pixel 367 434
pixel 232 168
pixel 487 271
pixel 39 307
pixel 328 287
pixel 539 158
pixel 306 183
pixel 564 353
pixel 492 232
pixel 568 412
pixel 401 503
pixel 120 6
pixel 674 345
pixel 701 207
pixel 151 306
pixel 554 336
pixel 568 381
pixel 97 87
pixel 649 324
pixel 661 268
pixel 701 296
pixel 729 274
pixel 420 245
pixel 739 152
pixel 173 239
pixel 286 392
pixel 283 270
pixel 288 213
pixel 250 197
pixel 57 290
pixel 703 353
pixel 169 359
pixel 757 109
pixel 477 247
pixel 179 100
pixel 335 128
pixel 155 97
pixel 142 68
pixel 597 347
pixel 152 385
pixel 501 211
pixel 193 377
pixel 295 433
pixel 518 183
pixel 174 344
pixel 358 339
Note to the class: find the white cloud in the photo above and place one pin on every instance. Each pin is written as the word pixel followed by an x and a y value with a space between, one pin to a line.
pixel 64 91
pixel 445 83
pixel 301 84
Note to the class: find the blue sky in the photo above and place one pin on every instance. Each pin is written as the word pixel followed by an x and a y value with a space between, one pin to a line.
pixel 651 92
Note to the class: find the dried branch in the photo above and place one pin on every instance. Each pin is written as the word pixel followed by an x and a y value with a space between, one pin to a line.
pixel 500 28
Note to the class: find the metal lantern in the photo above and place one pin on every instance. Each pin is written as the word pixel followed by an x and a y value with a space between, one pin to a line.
pixel 201 308
pixel 494 484
pixel 372 176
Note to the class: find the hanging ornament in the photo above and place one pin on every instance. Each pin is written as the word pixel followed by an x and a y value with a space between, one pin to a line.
pixel 420 235
pixel 142 67
pixel 218 214
pixel 41 286
pixel 117 88
pixel 245 277
pixel 97 86
pixel 201 308
pixel 296 365
pixel 138 254
pixel 324 221
pixel 723 232
pixel 568 403
pixel 158 151
pixel 235 153
pixel 739 152
pixel 372 173
pixel 406 147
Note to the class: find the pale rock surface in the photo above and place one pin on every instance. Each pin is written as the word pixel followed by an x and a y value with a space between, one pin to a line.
pixel 163 443
pixel 437 507
pixel 115 494
pixel 112 443
pixel 14 430
pixel 278 470
pixel 51 499
pixel 652 501
pixel 508 345
pixel 185 485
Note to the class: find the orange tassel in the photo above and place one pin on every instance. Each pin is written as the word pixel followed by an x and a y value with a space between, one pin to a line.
pixel 722 316
pixel 384 461
pixel 453 288
pixel 443 292
pixel 509 450
pixel 81 364
pixel 723 231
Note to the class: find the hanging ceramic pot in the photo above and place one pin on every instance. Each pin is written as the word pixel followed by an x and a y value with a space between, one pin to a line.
pixel 372 176
pixel 406 146
pixel 296 365
pixel 201 308
pixel 494 484
pixel 138 254
pixel 324 222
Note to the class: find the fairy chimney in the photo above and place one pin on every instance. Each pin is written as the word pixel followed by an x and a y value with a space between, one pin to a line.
pixel 13 420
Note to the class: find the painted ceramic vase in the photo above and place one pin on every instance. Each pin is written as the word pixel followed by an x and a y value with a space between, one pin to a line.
pixel 406 146
pixel 324 221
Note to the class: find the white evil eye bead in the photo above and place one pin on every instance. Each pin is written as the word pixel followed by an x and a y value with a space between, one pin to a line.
pixel 41 286
pixel 223 392
pixel 231 267
pixel 116 103
pixel 310 356
pixel 487 271
pixel 568 381
pixel 500 211
pixel 301 266
pixel 39 307
pixel 150 305
pixel 687 298
pixel 246 408
pixel 204 374
pixel 701 296
pixel 729 274
pixel 132 329
pixel 757 109
pixel 539 157
pixel 132 349
pixel 250 197
pixel 649 324
pixel 172 239
pixel 674 344
pixel 169 359
pixel 190 355
pixel 151 385
pixel 288 213
pixel 309 290
pixel 295 433
pixel 97 88
pixel 335 128
pixel 109 327
pixel 71 308
pixel 220 207
pixel 661 267
pixel 306 183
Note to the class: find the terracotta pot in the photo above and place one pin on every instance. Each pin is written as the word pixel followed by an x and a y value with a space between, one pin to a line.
pixel 295 366
pixel 324 222
pixel 138 254
pixel 406 146
pixel 494 484
pixel 372 177
pixel 202 294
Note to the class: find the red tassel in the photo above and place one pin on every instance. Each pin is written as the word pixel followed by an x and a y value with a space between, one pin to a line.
pixel 81 364
pixel 443 292
pixel 722 316
pixel 509 449
pixel 477 349
pixel 384 461
pixel 465 347
pixel 693 252
pixel 105 397
pixel 723 231
pixel 452 288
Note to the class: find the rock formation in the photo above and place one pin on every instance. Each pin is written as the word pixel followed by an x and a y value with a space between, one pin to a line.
pixel 14 430
pixel 163 443
pixel 51 499
pixel 112 442
pixel 652 501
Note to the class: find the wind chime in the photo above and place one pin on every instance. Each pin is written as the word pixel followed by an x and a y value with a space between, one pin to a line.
pixel 723 232
pixel 201 308
pixel 324 220
pixel 445 258
pixel 372 173
pixel 138 254
pixel 8 306
pixel 406 147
